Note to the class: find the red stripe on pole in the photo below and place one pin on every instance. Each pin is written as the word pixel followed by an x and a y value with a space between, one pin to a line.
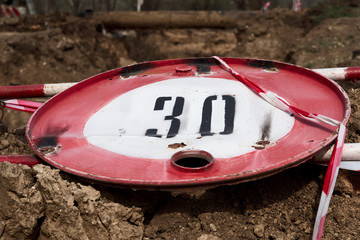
pixel 22 91
pixel 17 13
pixel 29 160
pixel 3 12
pixel 352 73
pixel 8 11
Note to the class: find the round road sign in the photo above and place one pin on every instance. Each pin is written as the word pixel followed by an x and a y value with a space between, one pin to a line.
pixel 185 123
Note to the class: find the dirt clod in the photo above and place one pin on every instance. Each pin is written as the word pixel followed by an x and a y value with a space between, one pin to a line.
pixel 259 230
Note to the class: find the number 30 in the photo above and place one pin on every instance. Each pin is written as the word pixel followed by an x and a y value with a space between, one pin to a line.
pixel 205 127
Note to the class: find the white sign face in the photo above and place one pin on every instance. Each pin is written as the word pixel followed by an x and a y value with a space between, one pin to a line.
pixel 220 116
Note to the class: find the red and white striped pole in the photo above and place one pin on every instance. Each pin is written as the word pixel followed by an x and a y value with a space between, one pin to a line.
pixel 39 90
pixel 351 153
pixel 350 158
pixel 9 11
pixel 29 160
pixel 51 89
pixel 339 74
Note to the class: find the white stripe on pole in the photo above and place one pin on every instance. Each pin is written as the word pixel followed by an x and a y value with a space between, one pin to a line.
pixel 332 73
pixel 351 152
pixel 350 165
pixel 55 88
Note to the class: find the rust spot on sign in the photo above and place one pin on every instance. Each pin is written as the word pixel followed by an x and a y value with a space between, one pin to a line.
pixel 49 150
pixel 176 145
pixel 260 145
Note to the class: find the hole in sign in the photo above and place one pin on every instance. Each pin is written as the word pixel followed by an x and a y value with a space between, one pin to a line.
pixel 192 160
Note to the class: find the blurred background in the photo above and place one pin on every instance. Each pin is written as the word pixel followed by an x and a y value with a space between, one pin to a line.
pixel 76 7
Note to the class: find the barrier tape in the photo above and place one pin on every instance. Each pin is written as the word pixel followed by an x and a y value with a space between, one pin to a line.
pixel 329 183
pixel 22 105
pixel 334 164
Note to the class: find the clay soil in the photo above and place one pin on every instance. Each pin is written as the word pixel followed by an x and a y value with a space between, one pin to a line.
pixel 43 203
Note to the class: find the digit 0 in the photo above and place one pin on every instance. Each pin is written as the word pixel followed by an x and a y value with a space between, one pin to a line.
pixel 229 115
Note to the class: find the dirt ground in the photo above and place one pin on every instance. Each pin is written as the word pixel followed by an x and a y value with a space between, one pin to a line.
pixel 44 203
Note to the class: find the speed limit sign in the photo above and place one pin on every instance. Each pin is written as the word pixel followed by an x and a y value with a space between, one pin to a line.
pixel 184 123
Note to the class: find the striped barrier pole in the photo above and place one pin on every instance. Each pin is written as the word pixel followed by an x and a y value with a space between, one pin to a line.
pixel 51 89
pixel 340 74
pixel 38 90
pixel 9 11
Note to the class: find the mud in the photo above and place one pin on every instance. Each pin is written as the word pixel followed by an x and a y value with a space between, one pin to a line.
pixel 44 203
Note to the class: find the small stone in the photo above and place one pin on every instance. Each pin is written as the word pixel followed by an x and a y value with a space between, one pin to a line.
pixel 3 128
pixel 297 222
pixel 65 44
pixel 208 237
pixel 252 221
pixel 194 225
pixel 213 227
pixel 277 236
pixel 5 143
pixel 307 229
pixel 343 183
pixel 259 230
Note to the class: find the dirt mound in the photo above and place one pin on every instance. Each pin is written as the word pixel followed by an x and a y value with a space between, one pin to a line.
pixel 43 203
pixel 37 203
pixel 273 35
pixel 333 43
pixel 13 141
pixel 58 55
pixel 270 36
